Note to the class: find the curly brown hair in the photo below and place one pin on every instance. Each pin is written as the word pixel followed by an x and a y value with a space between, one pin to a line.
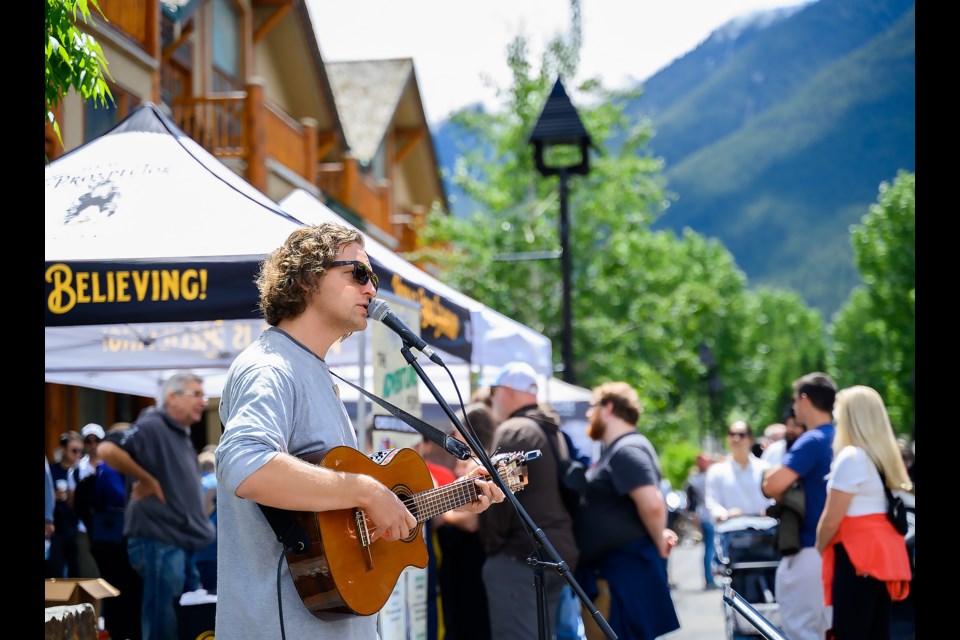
pixel 623 397
pixel 292 272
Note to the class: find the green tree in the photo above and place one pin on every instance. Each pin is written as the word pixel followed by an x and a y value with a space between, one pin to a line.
pixel 781 338
pixel 643 302
pixel 74 59
pixel 874 333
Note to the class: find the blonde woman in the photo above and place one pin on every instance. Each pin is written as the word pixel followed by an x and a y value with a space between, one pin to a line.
pixel 865 563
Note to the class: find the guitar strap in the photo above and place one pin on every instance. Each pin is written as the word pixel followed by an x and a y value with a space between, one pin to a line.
pixel 428 430
pixel 288 532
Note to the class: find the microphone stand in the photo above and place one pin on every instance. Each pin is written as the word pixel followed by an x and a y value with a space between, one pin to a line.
pixel 540 538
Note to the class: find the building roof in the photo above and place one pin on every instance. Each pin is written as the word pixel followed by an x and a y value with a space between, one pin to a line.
pixel 368 94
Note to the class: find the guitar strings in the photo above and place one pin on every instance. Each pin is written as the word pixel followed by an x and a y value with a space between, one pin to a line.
pixel 436 499
pixel 433 502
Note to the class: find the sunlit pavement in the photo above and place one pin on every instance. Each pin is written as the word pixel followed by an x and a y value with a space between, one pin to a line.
pixel 700 611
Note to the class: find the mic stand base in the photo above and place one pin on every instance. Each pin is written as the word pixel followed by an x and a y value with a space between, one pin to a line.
pixel 540 587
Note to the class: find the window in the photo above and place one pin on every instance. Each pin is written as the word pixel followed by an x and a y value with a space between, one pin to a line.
pixel 176 75
pixel 377 166
pixel 227 46
pixel 98 119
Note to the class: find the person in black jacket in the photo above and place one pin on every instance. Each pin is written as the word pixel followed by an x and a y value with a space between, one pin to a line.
pixel 522 425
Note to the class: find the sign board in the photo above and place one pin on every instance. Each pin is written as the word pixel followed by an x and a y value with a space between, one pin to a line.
pixel 393 379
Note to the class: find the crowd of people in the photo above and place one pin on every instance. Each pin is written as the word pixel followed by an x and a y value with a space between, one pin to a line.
pixel 130 509
pixel 140 507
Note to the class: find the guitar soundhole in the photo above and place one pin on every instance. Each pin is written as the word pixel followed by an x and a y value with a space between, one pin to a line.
pixel 406 496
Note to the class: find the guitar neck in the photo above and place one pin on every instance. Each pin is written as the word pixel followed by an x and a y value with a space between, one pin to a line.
pixel 433 502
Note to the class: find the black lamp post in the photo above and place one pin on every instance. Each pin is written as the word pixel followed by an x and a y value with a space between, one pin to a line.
pixel 714 387
pixel 559 124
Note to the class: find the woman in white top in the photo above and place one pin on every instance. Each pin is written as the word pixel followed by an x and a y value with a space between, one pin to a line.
pixel 865 562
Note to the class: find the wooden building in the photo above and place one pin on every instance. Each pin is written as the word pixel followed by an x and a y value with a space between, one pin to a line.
pixel 246 80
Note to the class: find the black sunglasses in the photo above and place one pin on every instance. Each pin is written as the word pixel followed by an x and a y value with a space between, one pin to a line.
pixel 361 272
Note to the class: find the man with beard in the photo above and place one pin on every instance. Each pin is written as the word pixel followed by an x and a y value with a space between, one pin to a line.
pixel 621 525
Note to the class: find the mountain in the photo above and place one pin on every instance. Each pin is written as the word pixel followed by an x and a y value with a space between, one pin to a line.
pixel 776 133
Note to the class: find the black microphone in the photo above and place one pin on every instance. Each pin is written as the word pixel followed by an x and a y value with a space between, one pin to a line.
pixel 378 310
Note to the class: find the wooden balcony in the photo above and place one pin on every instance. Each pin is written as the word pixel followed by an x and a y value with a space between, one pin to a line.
pixel 243 125
pixel 216 122
pixel 229 125
pixel 136 20
pixel 365 195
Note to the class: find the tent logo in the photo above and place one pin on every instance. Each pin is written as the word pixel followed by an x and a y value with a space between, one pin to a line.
pixel 98 203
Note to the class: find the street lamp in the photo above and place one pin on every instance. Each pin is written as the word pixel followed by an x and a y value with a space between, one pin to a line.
pixel 714 387
pixel 559 124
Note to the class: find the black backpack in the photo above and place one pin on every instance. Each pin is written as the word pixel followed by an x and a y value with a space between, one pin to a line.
pixel 572 474
pixel 84 498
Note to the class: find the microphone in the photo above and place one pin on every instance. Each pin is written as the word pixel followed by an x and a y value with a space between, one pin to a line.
pixel 378 310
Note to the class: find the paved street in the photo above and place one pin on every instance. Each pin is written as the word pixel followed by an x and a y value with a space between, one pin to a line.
pixel 700 612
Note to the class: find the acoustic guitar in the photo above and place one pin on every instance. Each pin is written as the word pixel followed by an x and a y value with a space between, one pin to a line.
pixel 341 571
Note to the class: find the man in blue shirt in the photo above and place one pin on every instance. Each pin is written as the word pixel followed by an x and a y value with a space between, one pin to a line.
pixel 799 587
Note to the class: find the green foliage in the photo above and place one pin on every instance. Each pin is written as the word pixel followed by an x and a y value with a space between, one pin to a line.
pixel 642 301
pixel 779 339
pixel 874 333
pixel 74 59
pixel 676 459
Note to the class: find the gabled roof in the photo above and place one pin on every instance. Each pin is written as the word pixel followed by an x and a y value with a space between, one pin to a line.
pixel 368 94
pixel 374 95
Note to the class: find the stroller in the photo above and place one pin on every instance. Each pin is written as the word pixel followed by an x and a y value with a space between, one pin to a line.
pixel 747 557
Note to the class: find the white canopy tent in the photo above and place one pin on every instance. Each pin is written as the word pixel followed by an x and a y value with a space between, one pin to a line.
pixel 151 245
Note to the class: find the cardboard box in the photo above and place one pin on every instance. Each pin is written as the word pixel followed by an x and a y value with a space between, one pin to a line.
pixel 58 592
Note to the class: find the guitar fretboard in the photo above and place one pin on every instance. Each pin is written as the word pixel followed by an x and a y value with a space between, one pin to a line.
pixel 432 502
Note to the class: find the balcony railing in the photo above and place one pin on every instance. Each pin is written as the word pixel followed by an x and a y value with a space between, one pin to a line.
pixel 216 122
pixel 364 194
pixel 222 125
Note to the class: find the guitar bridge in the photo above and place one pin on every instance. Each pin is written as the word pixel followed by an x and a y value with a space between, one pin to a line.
pixel 363 537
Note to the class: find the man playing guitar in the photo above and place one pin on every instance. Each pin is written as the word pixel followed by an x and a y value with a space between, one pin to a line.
pixel 279 407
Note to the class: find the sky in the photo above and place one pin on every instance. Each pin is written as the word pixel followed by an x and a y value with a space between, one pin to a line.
pixel 454 43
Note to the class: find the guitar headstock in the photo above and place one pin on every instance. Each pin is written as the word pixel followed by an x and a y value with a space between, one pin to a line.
pixel 512 469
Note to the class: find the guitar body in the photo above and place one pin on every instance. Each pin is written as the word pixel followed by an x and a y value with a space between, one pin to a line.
pixel 338 573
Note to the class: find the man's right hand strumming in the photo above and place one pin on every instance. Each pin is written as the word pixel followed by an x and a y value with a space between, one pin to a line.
pixel 391 519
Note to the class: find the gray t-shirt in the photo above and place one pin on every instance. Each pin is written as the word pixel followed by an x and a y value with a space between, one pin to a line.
pixel 278 397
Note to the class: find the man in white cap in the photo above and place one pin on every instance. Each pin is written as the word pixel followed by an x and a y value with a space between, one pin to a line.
pixel 522 425
pixel 87 466
pixel 92 435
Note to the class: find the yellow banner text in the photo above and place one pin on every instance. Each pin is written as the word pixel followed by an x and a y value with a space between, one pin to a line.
pixel 71 288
